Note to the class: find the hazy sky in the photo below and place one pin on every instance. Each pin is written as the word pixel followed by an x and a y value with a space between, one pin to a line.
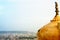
pixel 25 15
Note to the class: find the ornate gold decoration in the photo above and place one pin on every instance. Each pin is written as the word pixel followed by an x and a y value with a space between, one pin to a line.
pixel 51 31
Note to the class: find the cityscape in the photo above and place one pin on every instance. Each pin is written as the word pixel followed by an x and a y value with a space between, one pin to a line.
pixel 17 35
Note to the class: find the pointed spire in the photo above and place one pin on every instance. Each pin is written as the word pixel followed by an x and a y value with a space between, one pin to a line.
pixel 56 7
pixel 57 16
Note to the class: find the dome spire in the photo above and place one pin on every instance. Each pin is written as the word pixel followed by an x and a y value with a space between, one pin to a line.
pixel 56 7
pixel 51 31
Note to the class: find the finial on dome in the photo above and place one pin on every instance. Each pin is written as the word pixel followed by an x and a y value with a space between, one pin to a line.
pixel 56 7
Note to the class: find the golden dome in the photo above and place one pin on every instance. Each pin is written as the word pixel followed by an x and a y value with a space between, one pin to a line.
pixel 51 31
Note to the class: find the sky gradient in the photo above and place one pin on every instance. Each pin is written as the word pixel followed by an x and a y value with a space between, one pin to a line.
pixel 25 15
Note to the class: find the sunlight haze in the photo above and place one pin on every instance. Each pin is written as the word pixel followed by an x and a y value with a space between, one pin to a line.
pixel 25 15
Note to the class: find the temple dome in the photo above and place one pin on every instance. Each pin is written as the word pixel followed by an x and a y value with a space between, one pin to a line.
pixel 50 31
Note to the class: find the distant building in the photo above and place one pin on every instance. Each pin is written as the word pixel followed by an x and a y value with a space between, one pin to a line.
pixel 18 36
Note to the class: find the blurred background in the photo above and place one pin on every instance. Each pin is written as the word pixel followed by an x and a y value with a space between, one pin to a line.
pixel 25 15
